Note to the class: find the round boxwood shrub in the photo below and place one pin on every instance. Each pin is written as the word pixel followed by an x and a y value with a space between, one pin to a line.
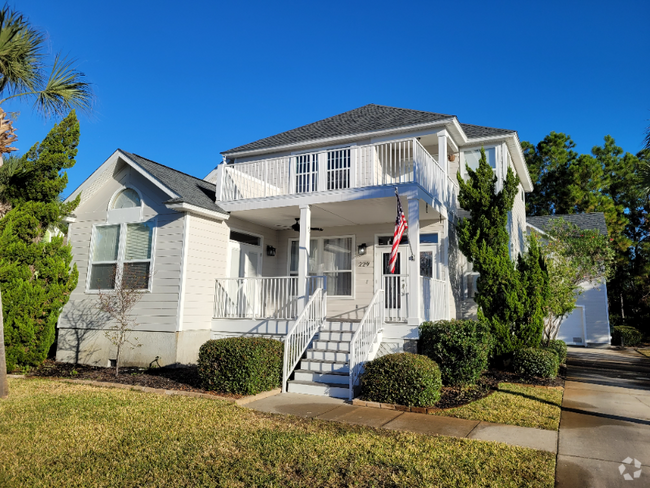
pixel 559 347
pixel 242 365
pixel 533 361
pixel 461 348
pixel 403 378
pixel 626 336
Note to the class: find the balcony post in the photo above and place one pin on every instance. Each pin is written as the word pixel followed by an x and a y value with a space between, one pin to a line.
pixel 442 150
pixel 413 265
pixel 219 183
pixel 303 256
pixel 322 172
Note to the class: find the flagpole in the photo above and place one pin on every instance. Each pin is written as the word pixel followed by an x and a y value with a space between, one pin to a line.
pixel 408 233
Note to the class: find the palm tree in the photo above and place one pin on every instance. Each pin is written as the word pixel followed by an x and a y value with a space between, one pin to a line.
pixel 24 75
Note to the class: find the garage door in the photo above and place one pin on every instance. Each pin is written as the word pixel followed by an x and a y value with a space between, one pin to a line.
pixel 572 328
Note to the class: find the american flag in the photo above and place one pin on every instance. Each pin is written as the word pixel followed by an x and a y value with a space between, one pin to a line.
pixel 400 226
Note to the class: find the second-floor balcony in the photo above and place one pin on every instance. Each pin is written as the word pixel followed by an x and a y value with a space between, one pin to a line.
pixel 363 166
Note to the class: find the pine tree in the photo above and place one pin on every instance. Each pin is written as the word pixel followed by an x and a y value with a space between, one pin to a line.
pixel 510 295
pixel 36 276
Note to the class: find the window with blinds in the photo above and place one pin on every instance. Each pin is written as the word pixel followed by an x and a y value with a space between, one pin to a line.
pixel 121 255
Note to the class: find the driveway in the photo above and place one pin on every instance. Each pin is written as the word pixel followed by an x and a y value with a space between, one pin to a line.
pixel 605 420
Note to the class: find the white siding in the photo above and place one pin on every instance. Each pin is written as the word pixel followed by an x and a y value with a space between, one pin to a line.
pixel 157 310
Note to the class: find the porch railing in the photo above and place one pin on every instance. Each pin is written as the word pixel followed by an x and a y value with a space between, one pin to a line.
pixel 301 334
pixel 364 337
pixel 261 298
pixel 435 300
pixel 386 163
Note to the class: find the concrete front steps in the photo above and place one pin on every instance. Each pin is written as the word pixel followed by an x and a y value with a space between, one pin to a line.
pixel 324 368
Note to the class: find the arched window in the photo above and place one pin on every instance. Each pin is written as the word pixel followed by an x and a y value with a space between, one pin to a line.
pixel 128 198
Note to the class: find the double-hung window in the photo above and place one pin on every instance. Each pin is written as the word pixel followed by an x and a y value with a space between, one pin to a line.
pixel 121 251
pixel 473 156
pixel 329 256
pixel 121 254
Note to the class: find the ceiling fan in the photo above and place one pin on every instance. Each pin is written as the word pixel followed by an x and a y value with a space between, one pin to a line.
pixel 296 226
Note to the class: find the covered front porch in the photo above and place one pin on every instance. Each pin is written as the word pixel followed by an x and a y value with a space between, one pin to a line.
pixel 279 257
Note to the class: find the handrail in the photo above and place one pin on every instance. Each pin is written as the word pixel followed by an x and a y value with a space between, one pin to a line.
pixel 302 332
pixel 370 326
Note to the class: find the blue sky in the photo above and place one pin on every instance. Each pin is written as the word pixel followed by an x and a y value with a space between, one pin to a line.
pixel 178 83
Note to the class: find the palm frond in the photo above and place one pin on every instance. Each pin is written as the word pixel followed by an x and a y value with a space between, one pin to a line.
pixel 66 89
pixel 21 52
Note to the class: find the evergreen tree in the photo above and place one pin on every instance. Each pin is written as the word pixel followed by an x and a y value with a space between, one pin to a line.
pixel 510 295
pixel 36 277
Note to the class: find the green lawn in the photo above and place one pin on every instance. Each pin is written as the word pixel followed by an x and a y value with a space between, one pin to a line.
pixel 58 434
pixel 527 406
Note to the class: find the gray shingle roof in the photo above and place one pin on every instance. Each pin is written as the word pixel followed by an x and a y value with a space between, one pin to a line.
pixel 586 221
pixel 192 190
pixel 369 118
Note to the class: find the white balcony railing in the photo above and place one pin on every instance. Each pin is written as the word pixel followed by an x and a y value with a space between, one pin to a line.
pixel 261 298
pixel 435 301
pixel 387 163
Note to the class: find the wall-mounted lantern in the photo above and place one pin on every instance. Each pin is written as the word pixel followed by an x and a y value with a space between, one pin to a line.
pixel 361 249
pixel 270 251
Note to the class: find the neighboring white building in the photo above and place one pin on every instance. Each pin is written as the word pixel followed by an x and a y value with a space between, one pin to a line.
pixel 588 324
pixel 289 233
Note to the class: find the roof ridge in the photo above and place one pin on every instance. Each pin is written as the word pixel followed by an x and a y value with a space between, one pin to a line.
pixel 409 109
pixel 167 167
pixel 485 127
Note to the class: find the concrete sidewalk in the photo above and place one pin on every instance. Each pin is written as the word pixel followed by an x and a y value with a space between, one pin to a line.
pixel 325 408
pixel 605 420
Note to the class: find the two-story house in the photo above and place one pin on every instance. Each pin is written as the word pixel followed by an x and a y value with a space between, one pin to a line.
pixel 289 237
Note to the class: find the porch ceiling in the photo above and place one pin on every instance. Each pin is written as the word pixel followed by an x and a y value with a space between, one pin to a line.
pixel 336 214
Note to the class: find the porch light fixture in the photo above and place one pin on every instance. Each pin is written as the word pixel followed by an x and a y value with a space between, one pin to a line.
pixel 270 251
pixel 362 249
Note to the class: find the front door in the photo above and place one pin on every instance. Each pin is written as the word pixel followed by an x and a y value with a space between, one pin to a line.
pixel 393 284
pixel 245 263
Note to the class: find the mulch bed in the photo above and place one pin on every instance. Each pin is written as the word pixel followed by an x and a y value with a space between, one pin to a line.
pixel 489 383
pixel 187 379
pixel 182 379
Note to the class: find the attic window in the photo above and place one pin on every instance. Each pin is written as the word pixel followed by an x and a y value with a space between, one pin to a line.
pixel 128 198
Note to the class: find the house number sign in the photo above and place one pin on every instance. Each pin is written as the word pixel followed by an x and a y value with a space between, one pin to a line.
pixel 364 264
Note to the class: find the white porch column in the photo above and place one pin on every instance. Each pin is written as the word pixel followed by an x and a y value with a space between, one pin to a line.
pixel 445 262
pixel 414 286
pixel 303 256
pixel 442 150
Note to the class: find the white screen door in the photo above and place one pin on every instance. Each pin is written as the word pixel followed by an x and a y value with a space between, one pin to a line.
pixel 393 284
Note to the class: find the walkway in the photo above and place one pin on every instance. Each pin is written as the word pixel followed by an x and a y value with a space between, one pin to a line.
pixel 325 408
pixel 605 419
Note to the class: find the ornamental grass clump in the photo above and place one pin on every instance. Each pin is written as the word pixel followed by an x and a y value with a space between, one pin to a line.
pixel 403 378
pixel 533 361
pixel 461 348
pixel 241 365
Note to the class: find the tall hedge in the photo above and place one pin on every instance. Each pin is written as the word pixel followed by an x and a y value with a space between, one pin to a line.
pixel 36 275
pixel 511 293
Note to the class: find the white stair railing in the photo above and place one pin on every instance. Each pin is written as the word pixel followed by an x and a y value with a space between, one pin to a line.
pixel 302 333
pixel 365 336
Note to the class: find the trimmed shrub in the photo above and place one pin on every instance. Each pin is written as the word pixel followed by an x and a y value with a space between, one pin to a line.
pixel 559 347
pixel 532 361
pixel 403 378
pixel 242 365
pixel 626 336
pixel 461 348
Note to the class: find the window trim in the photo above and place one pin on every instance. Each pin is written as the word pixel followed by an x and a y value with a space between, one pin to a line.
pixel 121 249
pixel 117 211
pixel 320 240
pixel 478 148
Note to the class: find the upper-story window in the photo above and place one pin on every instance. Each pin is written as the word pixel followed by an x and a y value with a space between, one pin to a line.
pixel 127 198
pixel 473 156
